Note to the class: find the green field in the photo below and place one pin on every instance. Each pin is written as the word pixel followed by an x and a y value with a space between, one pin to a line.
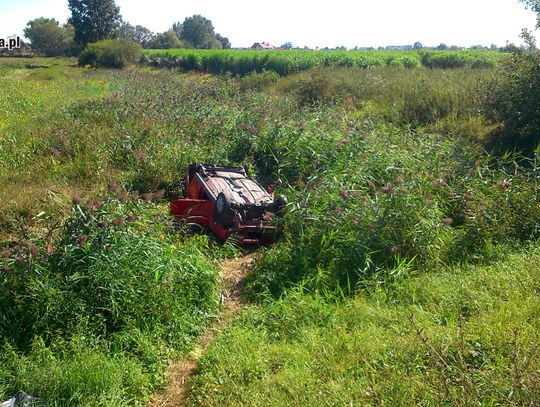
pixel 286 62
pixel 408 272
pixel 460 336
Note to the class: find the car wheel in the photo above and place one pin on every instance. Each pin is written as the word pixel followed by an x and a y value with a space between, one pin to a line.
pixel 223 213
pixel 279 205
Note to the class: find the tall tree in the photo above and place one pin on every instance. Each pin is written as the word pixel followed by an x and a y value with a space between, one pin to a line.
pixel 49 38
pixel 139 34
pixel 94 20
pixel 166 40
pixel 534 5
pixel 198 31
pixel 38 21
pixel 224 41
pixel 177 28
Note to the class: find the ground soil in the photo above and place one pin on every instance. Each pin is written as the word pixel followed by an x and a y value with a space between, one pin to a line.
pixel 233 274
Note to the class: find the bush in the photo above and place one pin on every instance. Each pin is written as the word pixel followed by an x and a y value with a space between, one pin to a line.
pixel 111 54
pixel 405 202
pixel 95 313
pixel 111 271
pixel 258 81
pixel 513 98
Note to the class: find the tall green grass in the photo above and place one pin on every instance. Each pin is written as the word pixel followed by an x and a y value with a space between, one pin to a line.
pixel 404 97
pixel 464 336
pixel 385 179
pixel 92 313
pixel 406 200
pixel 286 62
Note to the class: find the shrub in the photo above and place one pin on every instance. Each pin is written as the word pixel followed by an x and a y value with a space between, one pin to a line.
pixel 95 313
pixel 111 54
pixel 513 98
pixel 258 81
pixel 405 202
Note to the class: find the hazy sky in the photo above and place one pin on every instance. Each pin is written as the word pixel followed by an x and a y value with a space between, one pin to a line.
pixel 324 23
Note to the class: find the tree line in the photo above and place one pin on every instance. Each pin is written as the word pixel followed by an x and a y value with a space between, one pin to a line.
pixel 95 20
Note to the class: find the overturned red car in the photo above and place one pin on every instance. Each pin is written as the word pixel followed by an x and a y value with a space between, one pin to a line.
pixel 227 201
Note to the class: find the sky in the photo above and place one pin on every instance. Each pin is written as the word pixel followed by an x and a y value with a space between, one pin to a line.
pixel 333 23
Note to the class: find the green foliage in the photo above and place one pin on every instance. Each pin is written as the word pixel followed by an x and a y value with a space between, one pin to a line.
pixel 385 183
pixel 50 39
pixel 534 5
pixel 52 73
pixel 93 20
pixel 459 59
pixel 114 281
pixel 286 62
pixel 414 97
pixel 198 31
pixel 258 81
pixel 138 34
pixel 224 41
pixel 166 40
pixel 513 98
pixel 317 88
pixel 111 54
pixel 405 201
pixel 81 374
pixel 462 336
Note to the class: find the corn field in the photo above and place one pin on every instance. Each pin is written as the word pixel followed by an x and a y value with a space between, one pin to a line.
pixel 285 62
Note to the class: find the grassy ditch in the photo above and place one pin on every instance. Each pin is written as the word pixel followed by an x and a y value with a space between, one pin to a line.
pixel 392 282
pixel 464 336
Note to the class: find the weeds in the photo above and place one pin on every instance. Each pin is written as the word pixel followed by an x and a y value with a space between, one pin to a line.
pixel 112 280
pixel 388 191
pixel 381 349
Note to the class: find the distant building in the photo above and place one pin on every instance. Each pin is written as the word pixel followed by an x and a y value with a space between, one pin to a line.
pixel 262 45
pixel 399 47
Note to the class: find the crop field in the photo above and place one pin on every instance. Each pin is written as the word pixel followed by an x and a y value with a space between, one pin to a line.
pixel 409 268
pixel 285 62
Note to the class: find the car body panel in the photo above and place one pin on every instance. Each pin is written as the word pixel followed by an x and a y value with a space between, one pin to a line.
pixel 249 202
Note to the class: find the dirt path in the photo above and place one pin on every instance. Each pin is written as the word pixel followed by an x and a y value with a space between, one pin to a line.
pixel 233 273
